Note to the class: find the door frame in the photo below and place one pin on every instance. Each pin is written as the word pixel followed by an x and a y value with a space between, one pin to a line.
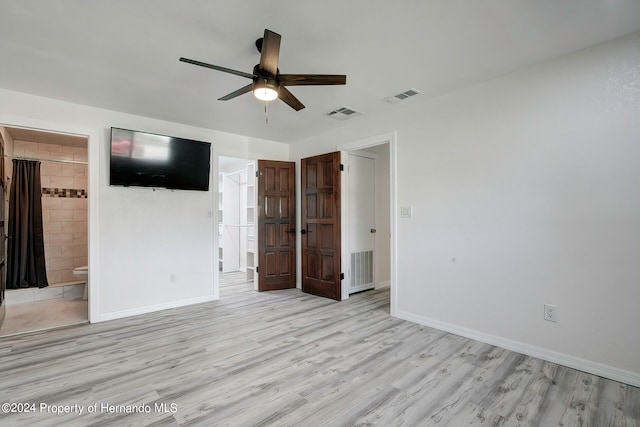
pixel 93 207
pixel 387 138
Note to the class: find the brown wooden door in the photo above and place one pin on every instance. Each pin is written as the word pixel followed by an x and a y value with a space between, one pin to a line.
pixel 276 225
pixel 321 225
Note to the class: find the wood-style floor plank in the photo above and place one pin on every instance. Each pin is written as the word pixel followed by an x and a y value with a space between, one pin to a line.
pixel 285 358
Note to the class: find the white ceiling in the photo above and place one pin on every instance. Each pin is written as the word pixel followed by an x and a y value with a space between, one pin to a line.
pixel 123 54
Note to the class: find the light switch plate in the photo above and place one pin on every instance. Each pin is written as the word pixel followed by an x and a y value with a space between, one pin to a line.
pixel 406 212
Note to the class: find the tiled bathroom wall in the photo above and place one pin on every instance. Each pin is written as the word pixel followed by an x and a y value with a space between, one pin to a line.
pixel 64 206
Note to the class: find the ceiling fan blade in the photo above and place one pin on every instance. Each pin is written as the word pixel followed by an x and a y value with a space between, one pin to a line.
pixel 289 99
pixel 270 52
pixel 216 67
pixel 311 79
pixel 238 92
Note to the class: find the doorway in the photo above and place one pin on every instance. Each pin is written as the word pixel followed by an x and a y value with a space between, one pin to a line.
pixel 362 221
pixel 62 161
pixel 381 235
pixel 367 216
pixel 236 220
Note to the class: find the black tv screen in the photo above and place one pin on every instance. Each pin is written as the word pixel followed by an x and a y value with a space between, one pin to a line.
pixel 143 159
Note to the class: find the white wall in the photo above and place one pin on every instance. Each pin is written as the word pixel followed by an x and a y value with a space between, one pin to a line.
pixel 525 191
pixel 138 237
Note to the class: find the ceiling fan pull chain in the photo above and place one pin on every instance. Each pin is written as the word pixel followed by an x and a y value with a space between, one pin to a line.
pixel 266 114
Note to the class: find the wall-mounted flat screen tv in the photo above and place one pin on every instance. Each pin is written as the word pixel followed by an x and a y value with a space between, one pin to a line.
pixel 141 159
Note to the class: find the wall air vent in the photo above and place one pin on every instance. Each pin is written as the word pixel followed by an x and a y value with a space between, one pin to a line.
pixel 343 113
pixel 401 96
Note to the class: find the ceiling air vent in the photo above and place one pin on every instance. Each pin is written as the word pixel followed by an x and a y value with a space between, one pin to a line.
pixel 343 113
pixel 402 96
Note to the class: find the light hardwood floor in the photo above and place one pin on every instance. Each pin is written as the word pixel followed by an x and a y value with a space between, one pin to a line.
pixel 285 358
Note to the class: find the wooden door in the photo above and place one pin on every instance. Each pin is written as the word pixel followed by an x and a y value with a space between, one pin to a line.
pixel 276 225
pixel 321 225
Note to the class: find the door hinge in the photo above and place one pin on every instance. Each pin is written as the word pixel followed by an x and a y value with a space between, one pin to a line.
pixel 341 276
pixel 256 174
pixel 256 269
pixel 341 167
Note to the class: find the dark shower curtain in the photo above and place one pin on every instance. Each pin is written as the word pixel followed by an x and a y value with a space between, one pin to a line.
pixel 25 249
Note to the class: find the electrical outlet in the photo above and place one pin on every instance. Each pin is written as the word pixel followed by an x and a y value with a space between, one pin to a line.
pixel 550 312
pixel 172 278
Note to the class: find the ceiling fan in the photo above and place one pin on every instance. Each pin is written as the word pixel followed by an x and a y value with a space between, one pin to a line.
pixel 267 82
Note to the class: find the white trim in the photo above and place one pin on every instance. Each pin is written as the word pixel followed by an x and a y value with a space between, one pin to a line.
pixel 393 223
pixel 215 170
pixel 93 208
pixel 153 308
pixel 344 226
pixel 588 366
pixel 93 215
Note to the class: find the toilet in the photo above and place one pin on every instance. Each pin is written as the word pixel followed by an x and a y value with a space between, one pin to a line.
pixel 82 273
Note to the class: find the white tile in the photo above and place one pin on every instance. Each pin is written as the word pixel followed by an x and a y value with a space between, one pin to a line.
pixel 18 296
pixel 73 291
pixel 51 292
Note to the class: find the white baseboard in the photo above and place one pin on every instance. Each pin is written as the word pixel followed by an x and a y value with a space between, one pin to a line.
pixel 151 308
pixel 595 368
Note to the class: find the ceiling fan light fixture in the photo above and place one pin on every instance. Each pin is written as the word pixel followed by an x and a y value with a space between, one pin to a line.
pixel 265 91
